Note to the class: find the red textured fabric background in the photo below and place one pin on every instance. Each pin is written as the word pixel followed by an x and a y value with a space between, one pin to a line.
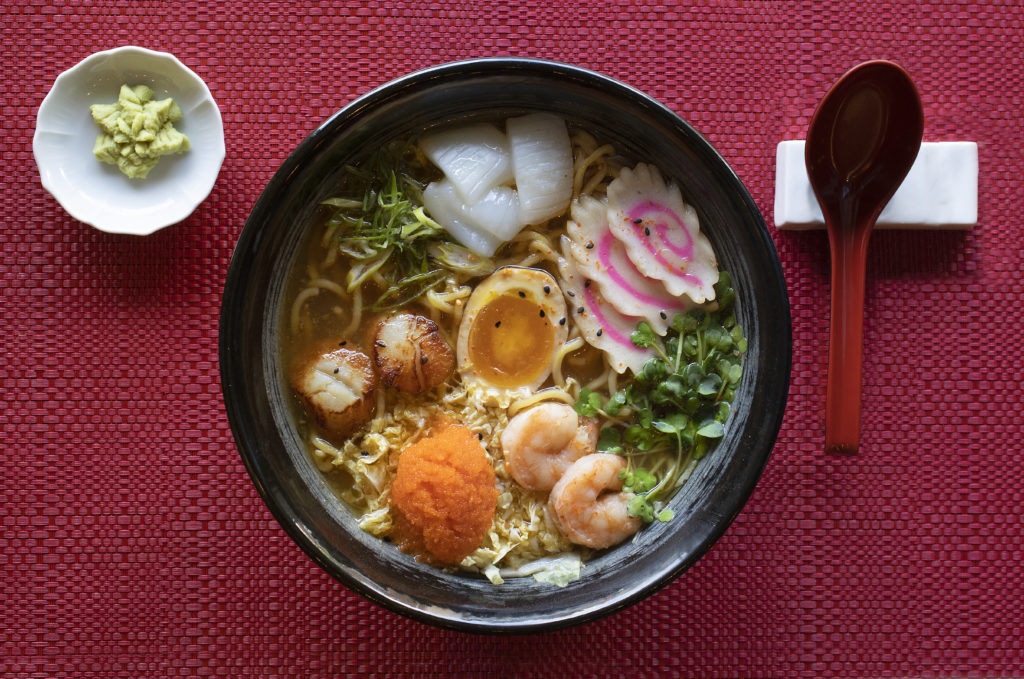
pixel 132 542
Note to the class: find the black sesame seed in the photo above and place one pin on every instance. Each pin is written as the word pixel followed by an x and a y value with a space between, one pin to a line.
pixel 498 324
pixel 586 283
pixel 363 453
pixel 423 360
pixel 600 331
pixel 342 343
pixel 570 293
pixel 547 289
pixel 381 344
pixel 647 232
pixel 542 313
pixel 638 220
pixel 590 245
pixel 336 370
pixel 480 437
pixel 664 316
pixel 579 310
pixel 522 294
pixel 561 321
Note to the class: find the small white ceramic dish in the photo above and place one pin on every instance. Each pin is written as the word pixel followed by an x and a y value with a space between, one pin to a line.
pixel 97 193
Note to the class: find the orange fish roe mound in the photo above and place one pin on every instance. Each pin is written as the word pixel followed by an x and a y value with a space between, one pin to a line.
pixel 446 492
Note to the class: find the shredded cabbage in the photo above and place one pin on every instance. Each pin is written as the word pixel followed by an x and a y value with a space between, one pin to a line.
pixel 555 570
pixel 522 539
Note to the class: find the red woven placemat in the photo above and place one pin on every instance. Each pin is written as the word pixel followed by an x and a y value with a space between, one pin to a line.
pixel 133 544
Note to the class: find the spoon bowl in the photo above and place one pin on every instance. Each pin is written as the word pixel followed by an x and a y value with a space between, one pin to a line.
pixel 861 143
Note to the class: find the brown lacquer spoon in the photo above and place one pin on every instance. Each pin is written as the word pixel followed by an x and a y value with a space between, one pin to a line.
pixel 862 141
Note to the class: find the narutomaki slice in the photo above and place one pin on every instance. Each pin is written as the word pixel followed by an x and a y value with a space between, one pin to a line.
pixel 662 233
pixel 602 257
pixel 600 323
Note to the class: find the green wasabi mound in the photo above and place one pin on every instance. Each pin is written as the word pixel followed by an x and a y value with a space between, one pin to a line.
pixel 137 131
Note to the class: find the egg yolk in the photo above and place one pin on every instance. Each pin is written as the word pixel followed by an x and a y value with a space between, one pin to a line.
pixel 511 341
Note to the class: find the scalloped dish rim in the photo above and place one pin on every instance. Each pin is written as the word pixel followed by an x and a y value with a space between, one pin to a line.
pixel 175 192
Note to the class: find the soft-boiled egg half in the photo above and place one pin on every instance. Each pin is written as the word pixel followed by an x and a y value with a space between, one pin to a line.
pixel 514 322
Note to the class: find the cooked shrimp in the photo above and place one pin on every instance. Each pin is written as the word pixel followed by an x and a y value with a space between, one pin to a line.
pixel 541 443
pixel 588 503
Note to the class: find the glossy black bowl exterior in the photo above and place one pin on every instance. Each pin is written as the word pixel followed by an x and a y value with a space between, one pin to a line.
pixel 255 393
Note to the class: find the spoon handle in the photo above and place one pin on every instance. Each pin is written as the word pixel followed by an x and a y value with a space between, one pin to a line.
pixel 842 405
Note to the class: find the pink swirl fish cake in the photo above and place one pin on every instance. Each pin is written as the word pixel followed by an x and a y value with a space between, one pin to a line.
pixel 662 233
pixel 602 257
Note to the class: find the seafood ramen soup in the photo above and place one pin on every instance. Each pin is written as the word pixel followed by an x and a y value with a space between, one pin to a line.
pixel 509 345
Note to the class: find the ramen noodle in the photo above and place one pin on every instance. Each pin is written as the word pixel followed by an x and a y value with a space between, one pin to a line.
pixel 520 283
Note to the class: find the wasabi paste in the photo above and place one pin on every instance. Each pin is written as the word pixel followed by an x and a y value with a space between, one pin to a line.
pixel 137 130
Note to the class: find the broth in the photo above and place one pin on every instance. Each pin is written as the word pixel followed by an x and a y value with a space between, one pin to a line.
pixel 513 353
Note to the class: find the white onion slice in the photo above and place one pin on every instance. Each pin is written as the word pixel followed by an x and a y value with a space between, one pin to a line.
pixel 542 164
pixel 446 208
pixel 474 157
pixel 497 213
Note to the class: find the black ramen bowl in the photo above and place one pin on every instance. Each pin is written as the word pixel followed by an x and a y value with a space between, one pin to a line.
pixel 256 395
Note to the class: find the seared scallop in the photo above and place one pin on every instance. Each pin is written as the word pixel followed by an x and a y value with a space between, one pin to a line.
pixel 338 389
pixel 410 353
